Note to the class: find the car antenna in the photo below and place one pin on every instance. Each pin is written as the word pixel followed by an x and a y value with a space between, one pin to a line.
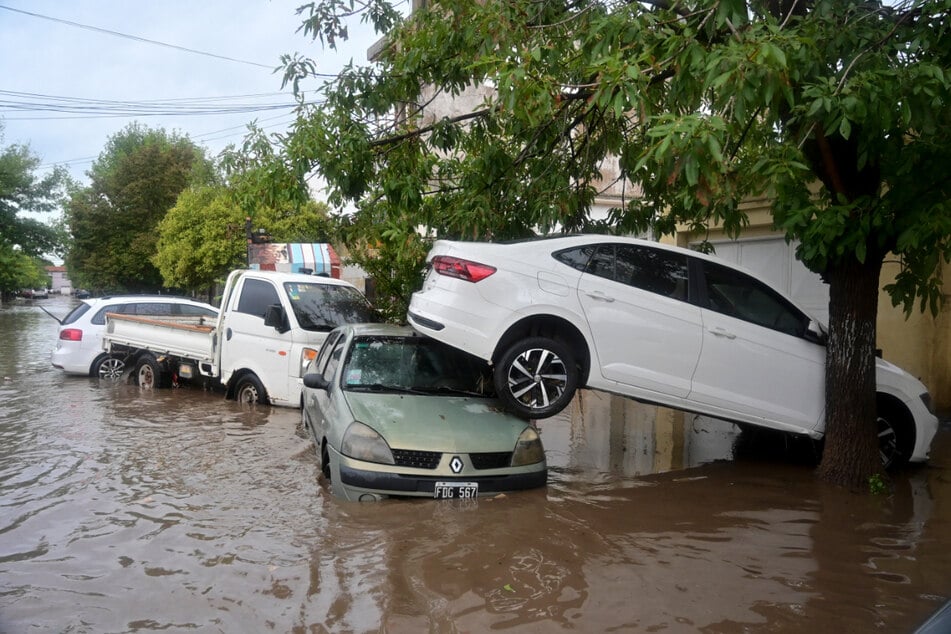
pixel 58 320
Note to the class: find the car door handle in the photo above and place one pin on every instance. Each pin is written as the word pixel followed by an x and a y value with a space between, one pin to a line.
pixel 722 332
pixel 600 296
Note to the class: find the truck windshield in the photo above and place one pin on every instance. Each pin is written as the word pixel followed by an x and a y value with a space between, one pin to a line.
pixel 323 307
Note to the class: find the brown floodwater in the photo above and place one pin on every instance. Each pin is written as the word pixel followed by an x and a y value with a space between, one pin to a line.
pixel 124 510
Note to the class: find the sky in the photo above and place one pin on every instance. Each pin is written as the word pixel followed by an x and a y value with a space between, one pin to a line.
pixel 73 73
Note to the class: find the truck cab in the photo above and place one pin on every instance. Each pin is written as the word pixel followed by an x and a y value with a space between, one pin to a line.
pixel 271 325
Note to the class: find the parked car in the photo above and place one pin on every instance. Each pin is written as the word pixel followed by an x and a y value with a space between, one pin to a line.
pixel 79 348
pixel 41 293
pixel 654 322
pixel 393 413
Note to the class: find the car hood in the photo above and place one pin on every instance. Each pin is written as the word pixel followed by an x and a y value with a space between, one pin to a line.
pixel 437 423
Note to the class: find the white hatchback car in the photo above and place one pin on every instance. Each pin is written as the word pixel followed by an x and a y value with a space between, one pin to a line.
pixel 79 348
pixel 654 322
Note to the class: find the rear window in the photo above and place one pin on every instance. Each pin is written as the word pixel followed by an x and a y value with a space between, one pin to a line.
pixel 76 313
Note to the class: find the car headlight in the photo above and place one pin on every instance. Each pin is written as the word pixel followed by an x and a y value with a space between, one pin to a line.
pixel 363 443
pixel 926 399
pixel 528 449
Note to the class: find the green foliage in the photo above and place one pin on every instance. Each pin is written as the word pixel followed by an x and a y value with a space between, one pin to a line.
pixel 24 238
pixel 700 108
pixel 203 236
pixel 19 271
pixel 877 484
pixel 113 221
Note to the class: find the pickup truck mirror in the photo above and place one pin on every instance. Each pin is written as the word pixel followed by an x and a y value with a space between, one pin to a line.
pixel 276 318
pixel 315 381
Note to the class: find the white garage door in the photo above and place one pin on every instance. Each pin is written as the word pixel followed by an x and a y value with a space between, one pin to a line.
pixel 775 261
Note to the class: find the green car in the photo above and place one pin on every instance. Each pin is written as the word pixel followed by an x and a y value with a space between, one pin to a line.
pixel 395 413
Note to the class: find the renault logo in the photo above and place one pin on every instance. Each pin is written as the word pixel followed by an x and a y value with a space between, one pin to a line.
pixel 456 464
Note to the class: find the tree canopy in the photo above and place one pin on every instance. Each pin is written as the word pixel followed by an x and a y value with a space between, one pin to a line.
pixel 24 239
pixel 134 182
pixel 838 110
pixel 203 236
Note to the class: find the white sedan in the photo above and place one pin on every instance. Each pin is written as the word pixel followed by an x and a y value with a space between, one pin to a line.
pixel 654 322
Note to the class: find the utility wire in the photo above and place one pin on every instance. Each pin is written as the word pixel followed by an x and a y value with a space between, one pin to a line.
pixel 136 38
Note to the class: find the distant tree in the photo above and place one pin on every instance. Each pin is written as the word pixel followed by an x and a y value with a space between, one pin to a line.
pixel 113 222
pixel 23 239
pixel 839 109
pixel 203 236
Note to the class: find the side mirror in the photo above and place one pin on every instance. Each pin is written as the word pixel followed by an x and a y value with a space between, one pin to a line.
pixel 275 318
pixel 316 381
pixel 816 333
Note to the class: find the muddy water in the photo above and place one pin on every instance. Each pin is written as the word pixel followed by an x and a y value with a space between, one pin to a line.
pixel 129 511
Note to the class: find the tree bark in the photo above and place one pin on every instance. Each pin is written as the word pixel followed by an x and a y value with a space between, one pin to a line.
pixel 851 456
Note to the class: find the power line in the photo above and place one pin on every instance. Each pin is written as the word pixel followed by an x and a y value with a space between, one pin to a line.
pixel 136 38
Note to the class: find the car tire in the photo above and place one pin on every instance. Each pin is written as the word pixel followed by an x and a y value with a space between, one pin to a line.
pixel 536 377
pixel 249 389
pixel 896 437
pixel 149 373
pixel 108 368
pixel 325 461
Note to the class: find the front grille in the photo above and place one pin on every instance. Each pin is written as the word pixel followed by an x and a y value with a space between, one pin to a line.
pixel 494 460
pixel 417 459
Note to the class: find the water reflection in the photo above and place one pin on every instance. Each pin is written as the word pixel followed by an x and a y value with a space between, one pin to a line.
pixel 126 510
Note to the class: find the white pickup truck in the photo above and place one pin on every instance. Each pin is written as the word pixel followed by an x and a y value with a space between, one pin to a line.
pixel 269 327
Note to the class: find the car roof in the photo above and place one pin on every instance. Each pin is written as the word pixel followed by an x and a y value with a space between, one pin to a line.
pixel 128 299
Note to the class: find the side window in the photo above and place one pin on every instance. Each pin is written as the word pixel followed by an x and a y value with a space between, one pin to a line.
pixel 320 363
pixel 733 293
pixel 199 311
pixel 576 257
pixel 653 270
pixel 334 360
pixel 256 296
pixel 602 262
pixel 100 318
pixel 150 308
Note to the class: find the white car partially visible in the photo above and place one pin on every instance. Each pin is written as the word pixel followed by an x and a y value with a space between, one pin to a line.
pixel 654 322
pixel 79 347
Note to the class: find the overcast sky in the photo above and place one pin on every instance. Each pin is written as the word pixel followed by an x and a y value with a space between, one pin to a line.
pixel 57 57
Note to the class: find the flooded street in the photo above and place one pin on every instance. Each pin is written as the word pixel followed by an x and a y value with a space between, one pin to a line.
pixel 126 510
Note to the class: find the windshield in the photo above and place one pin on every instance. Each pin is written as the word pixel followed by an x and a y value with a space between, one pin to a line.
pixel 323 307
pixel 416 364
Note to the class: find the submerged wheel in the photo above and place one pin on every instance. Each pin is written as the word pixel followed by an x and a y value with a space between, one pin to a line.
pixel 149 373
pixel 325 461
pixel 249 389
pixel 896 437
pixel 536 377
pixel 108 367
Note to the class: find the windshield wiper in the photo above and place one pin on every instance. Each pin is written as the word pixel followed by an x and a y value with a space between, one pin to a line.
pixel 450 391
pixel 380 387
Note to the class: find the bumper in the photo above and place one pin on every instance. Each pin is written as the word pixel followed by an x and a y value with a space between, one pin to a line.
pixel 352 481
pixel 450 318
pixel 926 426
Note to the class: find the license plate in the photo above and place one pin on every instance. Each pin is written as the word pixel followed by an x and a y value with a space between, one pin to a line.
pixel 456 490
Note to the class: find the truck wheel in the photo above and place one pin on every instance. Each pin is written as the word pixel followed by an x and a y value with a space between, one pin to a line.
pixel 108 367
pixel 249 389
pixel 149 373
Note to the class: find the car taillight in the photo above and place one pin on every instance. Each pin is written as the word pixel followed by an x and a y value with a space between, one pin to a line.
pixel 71 334
pixel 463 269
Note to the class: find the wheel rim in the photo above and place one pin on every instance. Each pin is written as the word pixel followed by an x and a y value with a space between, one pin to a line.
pixel 111 368
pixel 248 394
pixel 537 378
pixel 887 441
pixel 146 376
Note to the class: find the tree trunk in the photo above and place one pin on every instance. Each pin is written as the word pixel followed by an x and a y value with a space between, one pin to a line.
pixel 851 452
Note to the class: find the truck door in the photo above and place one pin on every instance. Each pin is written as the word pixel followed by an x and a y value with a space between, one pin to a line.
pixel 247 344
